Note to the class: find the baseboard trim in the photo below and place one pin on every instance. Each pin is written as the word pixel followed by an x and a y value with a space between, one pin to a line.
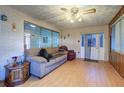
pixel 90 60
pixel 103 61
pixel 98 60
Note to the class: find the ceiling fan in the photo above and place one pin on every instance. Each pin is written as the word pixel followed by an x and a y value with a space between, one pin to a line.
pixel 75 13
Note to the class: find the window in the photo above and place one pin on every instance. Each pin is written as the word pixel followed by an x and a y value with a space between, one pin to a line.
pixel 91 40
pixel 101 39
pixel 55 39
pixel 89 36
pixel 34 38
pixel 83 36
pixel 122 35
pixel 37 37
pixel 27 40
pixel 113 38
pixel 46 38
pixel 117 38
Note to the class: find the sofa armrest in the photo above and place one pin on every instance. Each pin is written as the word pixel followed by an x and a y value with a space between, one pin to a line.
pixel 37 66
pixel 28 58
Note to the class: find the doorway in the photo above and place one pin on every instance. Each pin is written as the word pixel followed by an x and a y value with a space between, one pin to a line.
pixel 93 46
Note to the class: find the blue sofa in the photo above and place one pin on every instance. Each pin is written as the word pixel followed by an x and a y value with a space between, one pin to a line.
pixel 39 66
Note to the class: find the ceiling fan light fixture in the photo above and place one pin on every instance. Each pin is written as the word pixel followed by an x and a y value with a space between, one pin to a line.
pixel 75 13
pixel 72 21
pixel 63 9
pixel 80 19
pixel 68 18
pixel 78 15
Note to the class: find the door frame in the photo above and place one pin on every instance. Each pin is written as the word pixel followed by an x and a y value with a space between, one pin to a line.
pixel 102 50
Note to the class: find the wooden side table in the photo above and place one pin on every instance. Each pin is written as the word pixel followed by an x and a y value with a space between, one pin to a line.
pixel 17 73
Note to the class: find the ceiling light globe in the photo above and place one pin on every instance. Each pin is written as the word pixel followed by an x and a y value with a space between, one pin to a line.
pixel 71 21
pixel 78 15
pixel 80 19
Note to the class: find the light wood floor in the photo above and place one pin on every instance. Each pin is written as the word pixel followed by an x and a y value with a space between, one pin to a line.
pixel 78 73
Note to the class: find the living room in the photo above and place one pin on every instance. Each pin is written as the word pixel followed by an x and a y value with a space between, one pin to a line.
pixel 75 46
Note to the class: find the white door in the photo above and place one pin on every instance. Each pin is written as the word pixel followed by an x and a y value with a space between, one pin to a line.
pixel 88 45
pixel 97 49
pixel 101 46
pixel 83 46
pixel 93 46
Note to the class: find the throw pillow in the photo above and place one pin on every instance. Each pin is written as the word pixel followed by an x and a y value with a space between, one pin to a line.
pixel 44 53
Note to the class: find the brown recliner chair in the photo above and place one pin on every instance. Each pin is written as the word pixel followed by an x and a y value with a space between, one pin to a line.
pixel 63 48
pixel 71 53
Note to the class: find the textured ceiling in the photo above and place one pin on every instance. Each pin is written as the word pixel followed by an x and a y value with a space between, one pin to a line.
pixel 52 14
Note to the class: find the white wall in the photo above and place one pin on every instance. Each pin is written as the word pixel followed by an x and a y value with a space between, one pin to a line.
pixel 11 43
pixel 75 35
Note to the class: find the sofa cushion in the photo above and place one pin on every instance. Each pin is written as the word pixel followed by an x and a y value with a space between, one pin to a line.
pixel 60 58
pixel 64 53
pixel 33 51
pixel 52 50
pixel 55 54
pixel 51 62
pixel 39 59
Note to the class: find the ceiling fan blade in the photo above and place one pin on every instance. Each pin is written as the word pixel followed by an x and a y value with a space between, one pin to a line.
pixel 93 10
pixel 64 9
